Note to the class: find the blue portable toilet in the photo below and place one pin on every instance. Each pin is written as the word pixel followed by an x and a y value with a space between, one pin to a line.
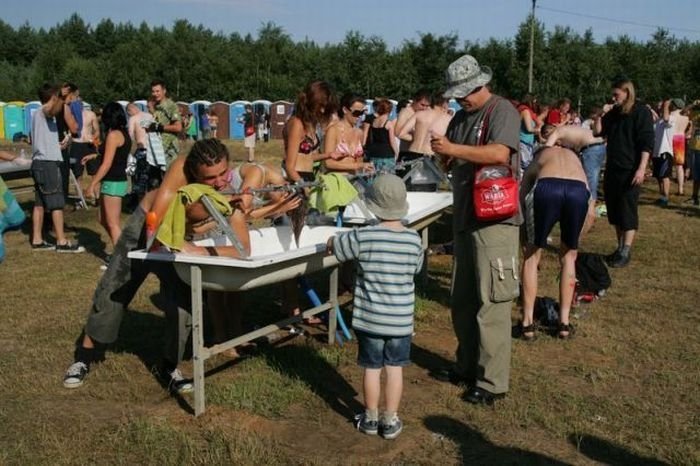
pixel 199 108
pixel 394 103
pixel 236 126
pixel 454 106
pixel 14 119
pixel 29 110
pixel 142 105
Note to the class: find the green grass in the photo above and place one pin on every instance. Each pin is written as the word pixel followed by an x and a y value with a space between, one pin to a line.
pixel 621 392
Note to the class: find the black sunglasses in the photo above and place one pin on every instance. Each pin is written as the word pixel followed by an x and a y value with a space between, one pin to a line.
pixel 357 113
pixel 474 91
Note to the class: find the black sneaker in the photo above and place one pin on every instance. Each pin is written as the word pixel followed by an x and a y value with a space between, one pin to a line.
pixel 479 396
pixel 451 376
pixel 43 246
pixel 613 257
pixel 391 430
pixel 75 375
pixel 365 425
pixel 69 248
pixel 621 261
pixel 174 381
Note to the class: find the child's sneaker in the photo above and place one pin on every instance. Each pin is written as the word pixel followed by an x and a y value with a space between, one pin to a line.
pixel 366 425
pixel 43 246
pixel 392 429
pixel 174 381
pixel 69 247
pixel 75 375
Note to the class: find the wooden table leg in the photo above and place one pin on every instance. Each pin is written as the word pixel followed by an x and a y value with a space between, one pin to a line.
pixel 197 339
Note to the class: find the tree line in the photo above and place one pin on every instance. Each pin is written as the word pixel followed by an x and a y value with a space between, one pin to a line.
pixel 117 61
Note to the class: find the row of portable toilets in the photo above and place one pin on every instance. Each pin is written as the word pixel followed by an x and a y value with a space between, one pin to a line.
pixel 16 117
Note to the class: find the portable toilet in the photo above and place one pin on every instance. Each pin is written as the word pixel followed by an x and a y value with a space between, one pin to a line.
pixel 394 103
pixel 142 105
pixel 236 113
pixel 123 103
pixel 14 119
pixel 29 110
pixel 280 112
pixel 222 110
pixel 454 106
pixel 199 108
pixel 191 129
pixel 2 120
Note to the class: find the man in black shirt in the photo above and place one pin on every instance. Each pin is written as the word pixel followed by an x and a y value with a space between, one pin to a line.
pixel 629 131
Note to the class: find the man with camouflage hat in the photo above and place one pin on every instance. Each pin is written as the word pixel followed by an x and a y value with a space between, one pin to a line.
pixel 485 277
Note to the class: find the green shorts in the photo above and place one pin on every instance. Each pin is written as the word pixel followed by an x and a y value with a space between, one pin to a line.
pixel 114 188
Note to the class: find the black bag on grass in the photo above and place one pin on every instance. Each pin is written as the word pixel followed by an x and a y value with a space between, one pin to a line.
pixel 592 273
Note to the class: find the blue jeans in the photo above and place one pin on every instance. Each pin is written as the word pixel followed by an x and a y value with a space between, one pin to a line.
pixel 593 158
pixel 375 351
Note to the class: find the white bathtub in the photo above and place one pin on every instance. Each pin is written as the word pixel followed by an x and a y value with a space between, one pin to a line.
pixel 421 206
pixel 274 257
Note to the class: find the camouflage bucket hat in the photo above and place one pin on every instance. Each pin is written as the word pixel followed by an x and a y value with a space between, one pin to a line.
pixel 386 198
pixel 678 103
pixel 464 75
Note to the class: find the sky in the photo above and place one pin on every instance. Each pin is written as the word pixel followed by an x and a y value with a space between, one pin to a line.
pixel 395 21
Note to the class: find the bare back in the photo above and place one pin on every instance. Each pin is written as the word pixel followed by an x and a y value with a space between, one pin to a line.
pixel 427 123
pixel 558 162
pixel 573 137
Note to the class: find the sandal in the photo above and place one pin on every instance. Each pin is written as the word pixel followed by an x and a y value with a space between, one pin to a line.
pixel 566 331
pixel 527 332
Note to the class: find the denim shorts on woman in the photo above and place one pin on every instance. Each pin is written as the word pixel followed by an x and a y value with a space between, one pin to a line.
pixel 114 188
pixel 375 352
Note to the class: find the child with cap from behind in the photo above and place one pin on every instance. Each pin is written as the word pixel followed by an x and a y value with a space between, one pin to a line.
pixel 388 255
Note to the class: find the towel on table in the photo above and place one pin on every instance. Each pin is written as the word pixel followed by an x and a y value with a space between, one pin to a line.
pixel 172 229
pixel 335 191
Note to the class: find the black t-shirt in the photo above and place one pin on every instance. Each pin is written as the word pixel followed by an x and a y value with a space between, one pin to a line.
pixel 628 135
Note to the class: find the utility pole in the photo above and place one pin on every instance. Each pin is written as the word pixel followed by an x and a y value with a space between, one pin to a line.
pixel 532 47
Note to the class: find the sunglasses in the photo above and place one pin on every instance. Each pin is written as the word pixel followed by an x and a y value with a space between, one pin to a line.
pixel 474 91
pixel 357 113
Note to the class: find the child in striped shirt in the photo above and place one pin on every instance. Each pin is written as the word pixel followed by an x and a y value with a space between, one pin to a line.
pixel 388 255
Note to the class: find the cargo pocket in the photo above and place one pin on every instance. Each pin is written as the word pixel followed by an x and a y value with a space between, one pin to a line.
pixel 505 279
pixel 45 178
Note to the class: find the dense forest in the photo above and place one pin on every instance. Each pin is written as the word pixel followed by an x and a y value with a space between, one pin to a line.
pixel 117 61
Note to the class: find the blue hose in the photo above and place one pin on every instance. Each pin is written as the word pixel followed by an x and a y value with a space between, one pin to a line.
pixel 313 297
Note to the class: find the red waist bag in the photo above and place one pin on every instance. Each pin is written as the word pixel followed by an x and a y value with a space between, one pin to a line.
pixel 495 193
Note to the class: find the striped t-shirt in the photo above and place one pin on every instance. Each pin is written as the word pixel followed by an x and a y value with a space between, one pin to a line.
pixel 387 260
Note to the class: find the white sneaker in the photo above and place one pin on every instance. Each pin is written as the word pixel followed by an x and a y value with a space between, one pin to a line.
pixel 75 375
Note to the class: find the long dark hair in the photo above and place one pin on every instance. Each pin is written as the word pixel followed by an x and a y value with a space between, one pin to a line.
pixel 315 103
pixel 114 117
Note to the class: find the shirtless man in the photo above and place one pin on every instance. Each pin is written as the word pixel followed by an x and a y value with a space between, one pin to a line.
pixel 423 125
pixel 148 174
pixel 421 102
pixel 591 150
pixel 553 189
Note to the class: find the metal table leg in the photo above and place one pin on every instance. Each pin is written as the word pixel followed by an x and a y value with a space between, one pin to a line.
pixel 333 298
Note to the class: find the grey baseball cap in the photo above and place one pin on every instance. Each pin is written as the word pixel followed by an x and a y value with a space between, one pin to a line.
pixel 386 198
pixel 464 75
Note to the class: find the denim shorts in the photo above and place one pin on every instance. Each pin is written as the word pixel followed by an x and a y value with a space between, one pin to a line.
pixel 375 352
pixel 593 158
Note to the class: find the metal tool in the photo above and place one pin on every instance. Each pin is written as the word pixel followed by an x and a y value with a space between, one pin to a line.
pixel 224 225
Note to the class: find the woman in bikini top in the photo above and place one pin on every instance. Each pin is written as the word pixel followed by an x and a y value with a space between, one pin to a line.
pixel 313 108
pixel 345 138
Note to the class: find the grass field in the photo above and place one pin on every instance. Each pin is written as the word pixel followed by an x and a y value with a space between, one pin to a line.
pixel 623 391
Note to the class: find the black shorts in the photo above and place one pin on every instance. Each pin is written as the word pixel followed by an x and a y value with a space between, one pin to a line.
pixel 662 166
pixel 78 150
pixel 559 200
pixel 621 199
pixel 48 184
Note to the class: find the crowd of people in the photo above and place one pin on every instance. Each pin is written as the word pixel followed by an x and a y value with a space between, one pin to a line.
pixel 555 158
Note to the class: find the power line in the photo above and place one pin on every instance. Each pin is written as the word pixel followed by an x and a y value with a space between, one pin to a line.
pixel 632 23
